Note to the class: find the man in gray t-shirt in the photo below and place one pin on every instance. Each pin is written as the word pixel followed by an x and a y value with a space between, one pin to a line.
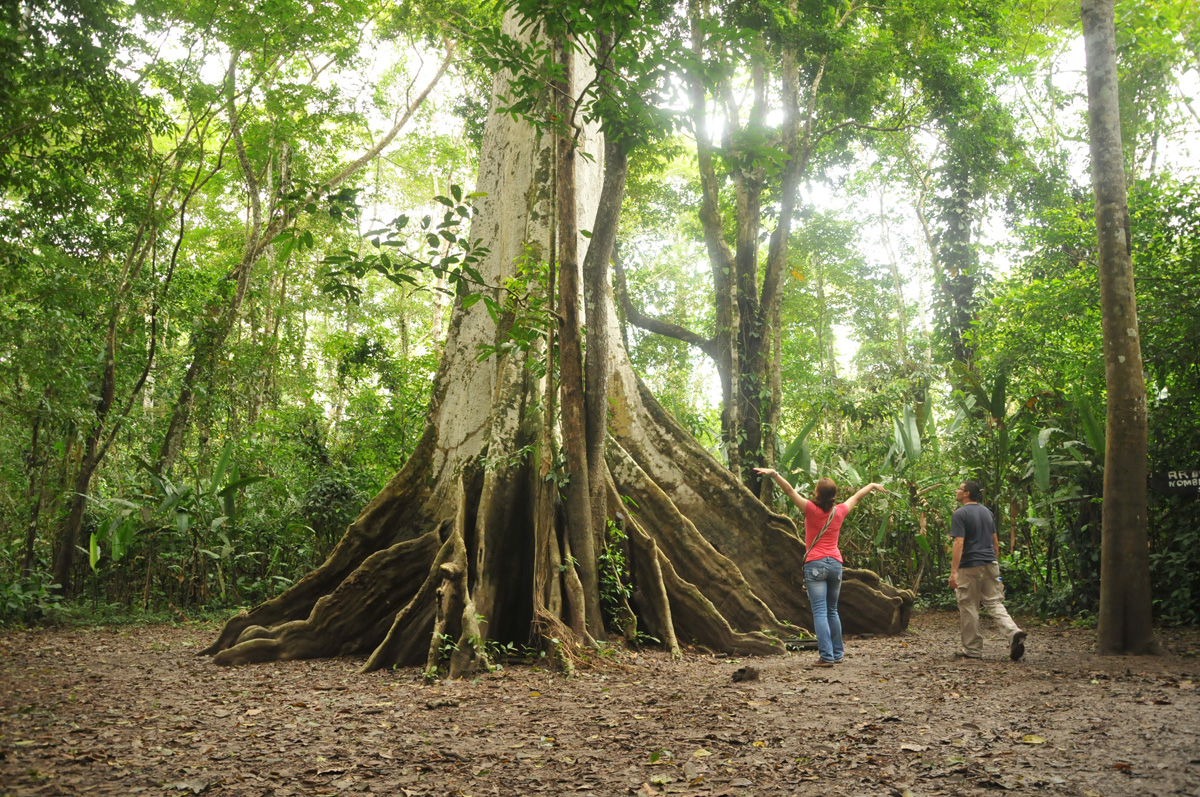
pixel 975 574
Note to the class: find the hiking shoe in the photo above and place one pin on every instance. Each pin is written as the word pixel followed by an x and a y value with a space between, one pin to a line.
pixel 822 663
pixel 1016 648
pixel 962 655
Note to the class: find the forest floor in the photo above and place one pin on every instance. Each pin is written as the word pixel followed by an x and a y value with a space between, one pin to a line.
pixel 133 710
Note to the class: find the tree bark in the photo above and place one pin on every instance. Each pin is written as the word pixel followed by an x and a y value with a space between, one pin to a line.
pixel 574 415
pixel 597 297
pixel 721 258
pixel 1125 605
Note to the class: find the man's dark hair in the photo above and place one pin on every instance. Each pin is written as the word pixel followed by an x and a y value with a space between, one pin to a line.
pixel 974 490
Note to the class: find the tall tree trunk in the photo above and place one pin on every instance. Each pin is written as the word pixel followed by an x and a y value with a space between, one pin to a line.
pixel 721 258
pixel 35 467
pixel 1125 609
pixel 770 319
pixel 597 297
pixel 586 618
pixel 959 262
pixel 473 524
pixel 897 284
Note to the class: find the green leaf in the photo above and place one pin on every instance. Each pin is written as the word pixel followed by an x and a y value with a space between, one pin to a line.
pixel 1041 462
pixel 997 404
pixel 122 538
pixel 154 479
pixel 974 387
pixel 1044 436
pixel 961 416
pixel 222 463
pixel 237 484
pixel 883 530
pixel 910 436
pixel 788 460
pixel 1093 430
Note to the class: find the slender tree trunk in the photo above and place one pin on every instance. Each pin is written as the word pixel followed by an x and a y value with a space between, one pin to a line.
pixel 578 504
pixel 597 297
pixel 959 262
pixel 97 441
pixel 216 330
pixel 36 468
pixel 720 257
pixel 897 284
pixel 1125 607
pixel 771 306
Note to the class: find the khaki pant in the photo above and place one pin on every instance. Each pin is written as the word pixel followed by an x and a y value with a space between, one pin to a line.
pixel 981 585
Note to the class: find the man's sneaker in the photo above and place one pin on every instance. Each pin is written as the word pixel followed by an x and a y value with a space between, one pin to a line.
pixel 1016 648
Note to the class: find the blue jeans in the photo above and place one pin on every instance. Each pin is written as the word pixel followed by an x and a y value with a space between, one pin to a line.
pixel 823 579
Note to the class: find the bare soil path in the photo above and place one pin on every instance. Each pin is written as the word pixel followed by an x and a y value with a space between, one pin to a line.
pixel 127 711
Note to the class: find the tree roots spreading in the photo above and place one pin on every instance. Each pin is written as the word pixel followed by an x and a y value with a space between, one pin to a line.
pixel 460 554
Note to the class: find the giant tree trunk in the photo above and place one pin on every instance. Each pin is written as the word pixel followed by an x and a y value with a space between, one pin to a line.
pixel 468 544
pixel 1125 617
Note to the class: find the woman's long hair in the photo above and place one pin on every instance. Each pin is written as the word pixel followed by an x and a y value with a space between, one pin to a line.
pixel 826 493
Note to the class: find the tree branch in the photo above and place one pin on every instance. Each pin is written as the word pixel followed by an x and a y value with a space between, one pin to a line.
pixel 657 326
pixel 860 126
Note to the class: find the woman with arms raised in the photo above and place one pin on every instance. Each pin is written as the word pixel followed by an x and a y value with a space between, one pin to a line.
pixel 823 562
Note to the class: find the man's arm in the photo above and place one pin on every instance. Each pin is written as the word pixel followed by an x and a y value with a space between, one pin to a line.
pixel 958 546
pixel 996 544
pixel 787 488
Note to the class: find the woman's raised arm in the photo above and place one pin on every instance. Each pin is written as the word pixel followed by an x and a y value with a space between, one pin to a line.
pixel 788 489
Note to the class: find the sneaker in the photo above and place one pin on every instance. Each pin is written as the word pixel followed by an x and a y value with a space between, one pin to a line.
pixel 1016 648
pixel 822 663
pixel 962 655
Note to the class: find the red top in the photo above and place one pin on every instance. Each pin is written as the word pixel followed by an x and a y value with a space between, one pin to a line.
pixel 814 521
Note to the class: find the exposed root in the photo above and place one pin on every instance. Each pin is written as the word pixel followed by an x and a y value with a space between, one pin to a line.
pixel 869 606
pixel 337 623
pixel 393 516
pixel 691 558
pixel 650 592
pixel 559 641
pixel 699 621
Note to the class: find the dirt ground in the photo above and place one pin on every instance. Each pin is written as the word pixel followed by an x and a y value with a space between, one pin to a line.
pixel 126 711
